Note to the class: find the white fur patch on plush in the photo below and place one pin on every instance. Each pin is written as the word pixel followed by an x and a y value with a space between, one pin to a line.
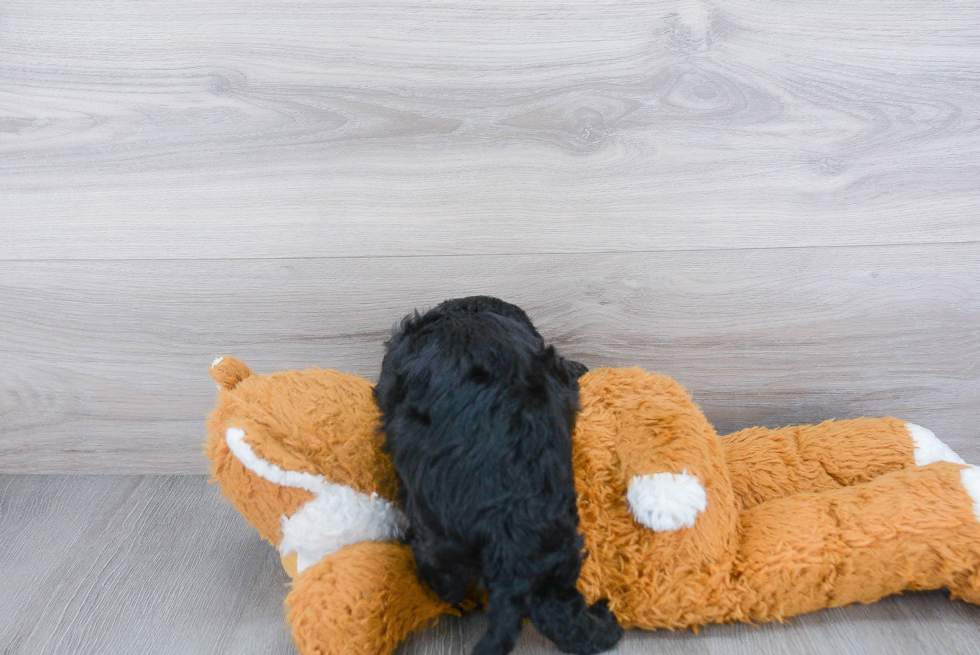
pixel 970 477
pixel 337 516
pixel 264 469
pixel 217 361
pixel 928 448
pixel 665 502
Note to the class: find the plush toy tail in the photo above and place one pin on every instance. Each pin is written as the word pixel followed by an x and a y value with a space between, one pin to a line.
pixel 228 371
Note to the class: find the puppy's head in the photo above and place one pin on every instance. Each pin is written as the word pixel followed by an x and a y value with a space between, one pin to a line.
pixel 466 345
pixel 479 339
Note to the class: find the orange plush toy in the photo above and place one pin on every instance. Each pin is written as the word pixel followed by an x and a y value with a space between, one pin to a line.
pixel 683 527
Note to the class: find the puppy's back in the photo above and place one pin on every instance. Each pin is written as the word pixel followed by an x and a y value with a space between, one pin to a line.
pixel 478 414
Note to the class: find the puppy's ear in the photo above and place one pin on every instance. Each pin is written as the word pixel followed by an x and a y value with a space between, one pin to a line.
pixel 409 325
pixel 389 391
pixel 567 370
pixel 574 369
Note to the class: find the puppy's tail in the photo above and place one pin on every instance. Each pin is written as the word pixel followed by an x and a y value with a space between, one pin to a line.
pixel 558 611
pixel 506 609
pixel 562 616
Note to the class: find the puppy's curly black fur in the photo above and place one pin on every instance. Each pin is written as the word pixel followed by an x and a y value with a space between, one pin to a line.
pixel 478 415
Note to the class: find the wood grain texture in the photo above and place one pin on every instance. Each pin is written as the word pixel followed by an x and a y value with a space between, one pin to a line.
pixel 912 624
pixel 115 565
pixel 238 128
pixel 105 363
pixel 103 565
pixel 776 203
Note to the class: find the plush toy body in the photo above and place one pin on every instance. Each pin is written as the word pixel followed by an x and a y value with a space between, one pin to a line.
pixel 683 527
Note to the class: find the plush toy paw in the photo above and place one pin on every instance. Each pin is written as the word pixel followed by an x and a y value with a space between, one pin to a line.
pixel 665 502
pixel 928 448
pixel 970 478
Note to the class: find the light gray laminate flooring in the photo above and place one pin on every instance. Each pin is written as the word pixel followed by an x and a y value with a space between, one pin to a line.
pixel 107 565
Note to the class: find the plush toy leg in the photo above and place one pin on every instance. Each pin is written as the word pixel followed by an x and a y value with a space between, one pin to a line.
pixel 365 599
pixel 918 528
pixel 765 464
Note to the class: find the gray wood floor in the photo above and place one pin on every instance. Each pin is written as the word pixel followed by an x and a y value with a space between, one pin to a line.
pixel 106 565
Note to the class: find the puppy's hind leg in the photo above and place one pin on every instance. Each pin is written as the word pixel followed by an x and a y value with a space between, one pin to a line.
pixel 443 569
pixel 559 612
pixel 506 608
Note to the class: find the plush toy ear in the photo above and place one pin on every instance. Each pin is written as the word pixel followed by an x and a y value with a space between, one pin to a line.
pixel 228 371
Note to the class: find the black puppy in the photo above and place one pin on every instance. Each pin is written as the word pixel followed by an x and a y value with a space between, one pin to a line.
pixel 478 414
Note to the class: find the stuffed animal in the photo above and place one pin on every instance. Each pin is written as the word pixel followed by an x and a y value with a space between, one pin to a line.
pixel 682 527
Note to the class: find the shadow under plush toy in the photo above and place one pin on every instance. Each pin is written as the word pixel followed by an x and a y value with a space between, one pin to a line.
pixel 682 527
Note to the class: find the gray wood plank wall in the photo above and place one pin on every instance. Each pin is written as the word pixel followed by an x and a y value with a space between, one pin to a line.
pixel 776 203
